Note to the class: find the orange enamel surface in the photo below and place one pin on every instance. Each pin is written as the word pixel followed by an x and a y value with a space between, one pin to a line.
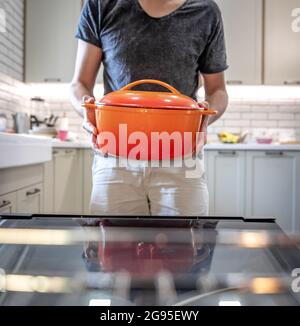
pixel 149 113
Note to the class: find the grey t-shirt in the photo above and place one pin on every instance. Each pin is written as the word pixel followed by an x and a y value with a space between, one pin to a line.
pixel 173 49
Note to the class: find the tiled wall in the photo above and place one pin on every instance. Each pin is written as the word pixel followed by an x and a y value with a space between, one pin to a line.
pixel 12 90
pixel 256 116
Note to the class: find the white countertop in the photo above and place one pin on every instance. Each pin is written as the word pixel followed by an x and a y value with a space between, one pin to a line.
pixel 217 147
pixel 252 147
pixel 20 150
pixel 56 143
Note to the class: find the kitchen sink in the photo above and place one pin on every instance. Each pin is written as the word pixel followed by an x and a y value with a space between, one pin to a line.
pixel 19 150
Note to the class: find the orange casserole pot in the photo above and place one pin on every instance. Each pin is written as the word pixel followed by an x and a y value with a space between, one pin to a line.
pixel 148 125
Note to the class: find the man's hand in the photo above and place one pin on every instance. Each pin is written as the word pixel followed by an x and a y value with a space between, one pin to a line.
pixel 89 120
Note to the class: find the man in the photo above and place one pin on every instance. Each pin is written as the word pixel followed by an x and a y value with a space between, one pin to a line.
pixel 176 41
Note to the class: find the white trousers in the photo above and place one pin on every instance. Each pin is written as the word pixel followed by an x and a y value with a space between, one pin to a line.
pixel 140 189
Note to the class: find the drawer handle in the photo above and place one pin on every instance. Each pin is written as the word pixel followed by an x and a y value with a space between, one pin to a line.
pixel 5 203
pixel 32 193
pixel 67 151
pixel 275 154
pixel 227 153
pixel 295 82
pixel 234 82
pixel 52 80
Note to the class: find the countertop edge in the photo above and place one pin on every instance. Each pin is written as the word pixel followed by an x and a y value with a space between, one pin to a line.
pixel 210 147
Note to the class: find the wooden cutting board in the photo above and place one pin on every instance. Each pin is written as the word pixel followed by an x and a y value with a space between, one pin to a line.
pixel 291 142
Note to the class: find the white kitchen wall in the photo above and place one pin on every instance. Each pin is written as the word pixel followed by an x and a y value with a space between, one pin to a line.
pixel 13 93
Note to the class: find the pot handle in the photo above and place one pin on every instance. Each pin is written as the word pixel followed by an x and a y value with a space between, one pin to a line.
pixel 89 106
pixel 206 110
pixel 151 81
pixel 209 112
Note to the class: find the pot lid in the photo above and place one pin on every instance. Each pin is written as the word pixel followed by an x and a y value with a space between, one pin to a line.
pixel 126 97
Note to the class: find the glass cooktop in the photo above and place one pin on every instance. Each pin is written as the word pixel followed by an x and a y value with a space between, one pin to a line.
pixel 147 261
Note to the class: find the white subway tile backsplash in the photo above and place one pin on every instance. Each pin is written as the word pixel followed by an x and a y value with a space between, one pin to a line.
pixel 281 116
pixel 234 130
pixel 289 123
pixel 264 107
pixel 231 116
pixel 238 106
pixel 237 123
pixel 264 123
pixel 289 108
pixel 254 116
pixel 218 123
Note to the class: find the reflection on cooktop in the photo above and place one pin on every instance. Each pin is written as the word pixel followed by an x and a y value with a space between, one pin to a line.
pixel 144 261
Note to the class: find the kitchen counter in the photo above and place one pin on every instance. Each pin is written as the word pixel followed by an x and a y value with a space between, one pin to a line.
pixel 20 150
pixel 252 147
pixel 56 143
pixel 210 147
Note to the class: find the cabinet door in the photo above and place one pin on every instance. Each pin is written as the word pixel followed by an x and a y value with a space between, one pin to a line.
pixel 30 199
pixel 50 39
pixel 49 188
pixel 273 181
pixel 8 203
pixel 282 42
pixel 68 181
pixel 87 179
pixel 243 31
pixel 226 180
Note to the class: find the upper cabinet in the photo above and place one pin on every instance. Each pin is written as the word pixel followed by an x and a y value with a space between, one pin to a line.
pixel 282 42
pixel 50 40
pixel 262 37
pixel 243 30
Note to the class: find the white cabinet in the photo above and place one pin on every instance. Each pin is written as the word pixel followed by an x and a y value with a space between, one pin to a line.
pixel 50 39
pixel 225 174
pixel 88 157
pixel 30 199
pixel 243 31
pixel 8 203
pixel 21 189
pixel 282 42
pixel 255 184
pixel 26 200
pixel 273 187
pixel 68 182
pixel 49 188
pixel 68 185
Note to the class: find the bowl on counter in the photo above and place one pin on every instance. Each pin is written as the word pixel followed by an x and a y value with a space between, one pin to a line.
pixel 230 138
pixel 264 140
